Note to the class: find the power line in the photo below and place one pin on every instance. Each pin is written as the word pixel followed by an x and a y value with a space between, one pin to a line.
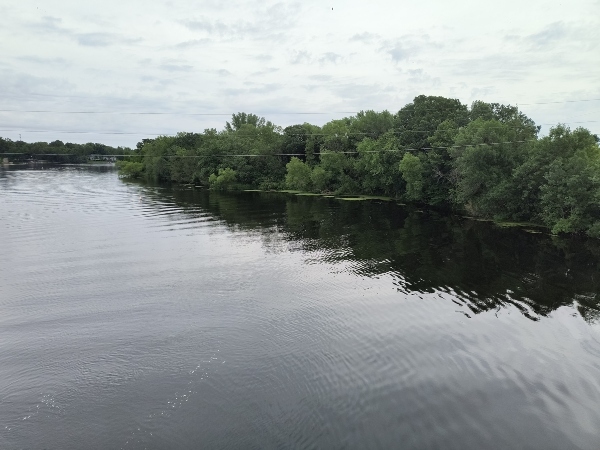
pixel 85 132
pixel 161 113
pixel 356 133
pixel 563 101
pixel 37 94
pixel 252 155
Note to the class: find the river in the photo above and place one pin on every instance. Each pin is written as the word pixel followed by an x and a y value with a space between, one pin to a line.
pixel 136 316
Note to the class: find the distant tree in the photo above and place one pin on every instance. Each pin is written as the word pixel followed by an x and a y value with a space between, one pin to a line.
pixel 240 119
pixel 6 145
pixel 56 143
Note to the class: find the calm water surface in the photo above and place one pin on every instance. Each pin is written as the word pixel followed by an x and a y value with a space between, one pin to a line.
pixel 136 316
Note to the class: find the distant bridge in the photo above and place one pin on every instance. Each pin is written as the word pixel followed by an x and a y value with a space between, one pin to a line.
pixel 109 158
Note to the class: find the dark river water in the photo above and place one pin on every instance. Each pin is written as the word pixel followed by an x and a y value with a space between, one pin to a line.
pixel 135 316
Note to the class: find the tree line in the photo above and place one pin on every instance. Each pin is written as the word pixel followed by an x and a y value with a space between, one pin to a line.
pixel 56 151
pixel 485 160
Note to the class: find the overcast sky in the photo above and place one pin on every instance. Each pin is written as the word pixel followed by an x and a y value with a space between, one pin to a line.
pixel 285 61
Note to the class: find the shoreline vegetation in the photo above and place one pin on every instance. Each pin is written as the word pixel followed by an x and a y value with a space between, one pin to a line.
pixel 58 152
pixel 484 161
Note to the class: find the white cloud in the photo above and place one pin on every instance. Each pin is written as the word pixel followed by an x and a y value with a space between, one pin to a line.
pixel 273 57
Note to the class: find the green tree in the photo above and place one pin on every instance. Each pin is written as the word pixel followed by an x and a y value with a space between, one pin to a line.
pixel 506 114
pixel 560 144
pixel 299 140
pixel 486 154
pixel 570 194
pixel 298 175
pixel 225 179
pixel 320 179
pixel 130 169
pixel 371 124
pixel 340 175
pixel 240 119
pixel 416 122
pixel 377 165
pixel 412 172
pixel 336 137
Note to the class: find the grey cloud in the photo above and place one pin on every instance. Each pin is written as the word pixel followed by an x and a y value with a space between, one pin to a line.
pixel 53 25
pixel 365 37
pixel 362 95
pixel 301 57
pixel 193 43
pixel 268 24
pixel 266 71
pixel 408 46
pixel 233 31
pixel 499 69
pixel 261 88
pixel 330 57
pixel 304 57
pixel 482 92
pixel 548 35
pixel 102 39
pixel 23 84
pixel 320 77
pixel 176 67
pixel 44 61
pixel 502 67
pixel 263 57
pixel 398 53
pixel 419 76
pixel 556 36
pixel 210 27
pixel 253 88
pixel 223 72
pixel 50 24
pixel 312 87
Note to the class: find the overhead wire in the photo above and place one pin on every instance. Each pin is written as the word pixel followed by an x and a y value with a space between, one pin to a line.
pixel 223 155
pixel 164 113
pixel 345 134
pixel 561 101
pixel 227 114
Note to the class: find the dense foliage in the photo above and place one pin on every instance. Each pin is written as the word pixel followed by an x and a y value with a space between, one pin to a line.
pixel 486 160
